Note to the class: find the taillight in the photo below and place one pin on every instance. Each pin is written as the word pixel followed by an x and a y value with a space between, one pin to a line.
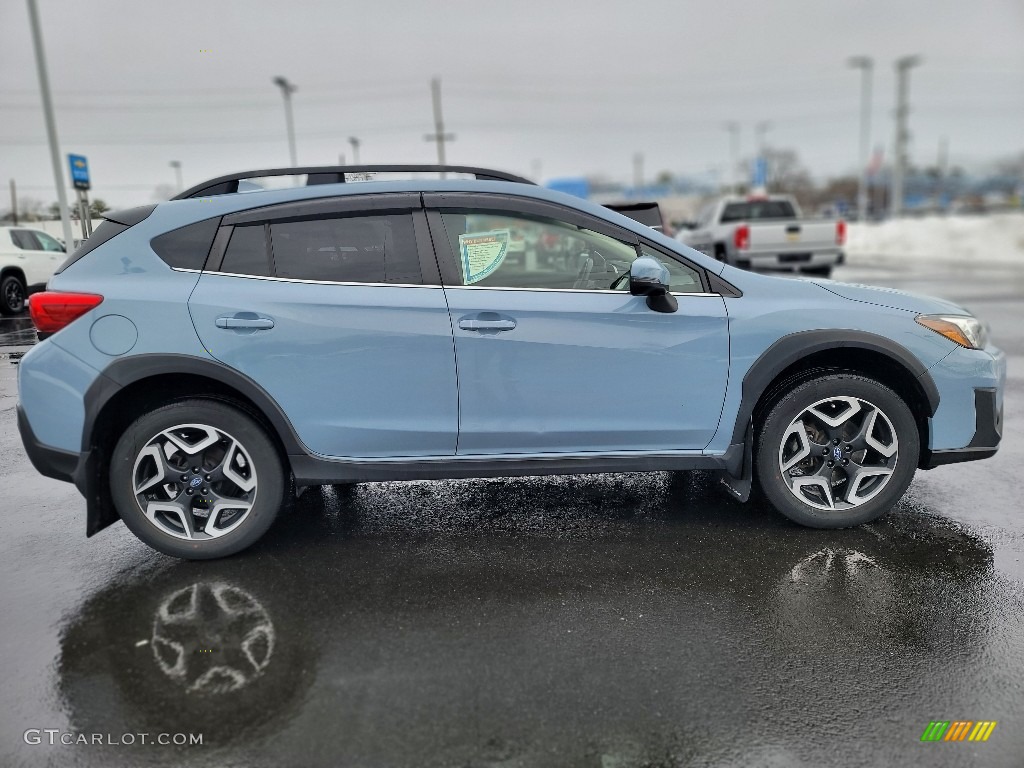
pixel 840 232
pixel 741 237
pixel 51 310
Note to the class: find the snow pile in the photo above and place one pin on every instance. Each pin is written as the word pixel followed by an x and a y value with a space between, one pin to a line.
pixel 976 239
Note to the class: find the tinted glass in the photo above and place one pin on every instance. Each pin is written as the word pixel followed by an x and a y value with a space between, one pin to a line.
pixel 48 243
pixel 100 235
pixel 356 249
pixel 757 210
pixel 247 252
pixel 186 248
pixel 504 250
pixel 24 239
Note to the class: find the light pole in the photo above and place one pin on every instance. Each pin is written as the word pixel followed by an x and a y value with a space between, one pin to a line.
pixel 355 149
pixel 903 67
pixel 51 124
pixel 866 65
pixel 176 165
pixel 734 151
pixel 287 89
pixel 760 129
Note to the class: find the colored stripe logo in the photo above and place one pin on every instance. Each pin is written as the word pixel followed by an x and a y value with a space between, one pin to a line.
pixel 959 730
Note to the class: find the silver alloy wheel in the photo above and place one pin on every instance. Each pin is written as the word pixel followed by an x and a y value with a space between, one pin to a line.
pixel 838 453
pixel 194 482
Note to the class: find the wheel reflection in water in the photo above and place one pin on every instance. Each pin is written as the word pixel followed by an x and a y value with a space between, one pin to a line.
pixel 212 638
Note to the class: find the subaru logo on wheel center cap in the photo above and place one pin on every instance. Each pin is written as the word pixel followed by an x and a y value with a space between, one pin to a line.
pixel 837 453
pixel 196 481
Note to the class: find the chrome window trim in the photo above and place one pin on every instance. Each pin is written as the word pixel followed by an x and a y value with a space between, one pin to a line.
pixel 423 285
pixel 563 290
pixel 309 282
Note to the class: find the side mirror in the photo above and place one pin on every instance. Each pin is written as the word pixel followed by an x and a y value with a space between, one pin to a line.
pixel 649 277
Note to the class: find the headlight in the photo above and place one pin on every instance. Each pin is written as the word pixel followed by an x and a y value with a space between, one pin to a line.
pixel 965 330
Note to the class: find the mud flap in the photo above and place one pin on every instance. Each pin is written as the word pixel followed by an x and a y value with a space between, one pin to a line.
pixel 737 481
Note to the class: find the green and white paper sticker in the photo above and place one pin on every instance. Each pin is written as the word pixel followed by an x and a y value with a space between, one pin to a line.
pixel 482 253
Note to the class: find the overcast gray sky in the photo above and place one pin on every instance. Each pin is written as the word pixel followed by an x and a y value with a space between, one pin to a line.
pixel 577 87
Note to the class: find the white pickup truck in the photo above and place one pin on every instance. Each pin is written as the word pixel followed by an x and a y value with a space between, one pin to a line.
pixel 28 259
pixel 766 233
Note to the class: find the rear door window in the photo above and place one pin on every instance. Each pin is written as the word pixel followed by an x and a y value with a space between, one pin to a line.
pixel 246 253
pixel 25 240
pixel 349 249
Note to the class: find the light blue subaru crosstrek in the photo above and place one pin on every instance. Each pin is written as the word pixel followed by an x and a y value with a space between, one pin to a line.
pixel 203 355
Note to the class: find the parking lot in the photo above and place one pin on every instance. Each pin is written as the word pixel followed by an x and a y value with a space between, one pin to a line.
pixel 637 620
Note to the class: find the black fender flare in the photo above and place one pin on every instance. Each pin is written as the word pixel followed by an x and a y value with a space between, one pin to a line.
pixel 795 346
pixel 126 371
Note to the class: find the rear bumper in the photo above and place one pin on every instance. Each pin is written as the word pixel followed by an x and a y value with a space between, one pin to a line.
pixel 82 469
pixel 51 462
pixel 988 431
pixel 789 261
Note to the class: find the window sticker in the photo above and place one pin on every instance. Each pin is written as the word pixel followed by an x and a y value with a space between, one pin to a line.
pixel 481 253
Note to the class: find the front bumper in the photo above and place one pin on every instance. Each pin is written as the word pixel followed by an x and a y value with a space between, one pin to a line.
pixel 988 431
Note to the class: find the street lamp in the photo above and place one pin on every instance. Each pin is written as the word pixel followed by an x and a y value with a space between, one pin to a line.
pixel 176 165
pixel 734 151
pixel 865 64
pixel 760 129
pixel 287 89
pixel 903 66
pixel 355 149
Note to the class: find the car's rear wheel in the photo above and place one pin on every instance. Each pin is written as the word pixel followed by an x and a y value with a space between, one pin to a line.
pixel 837 451
pixel 12 295
pixel 197 479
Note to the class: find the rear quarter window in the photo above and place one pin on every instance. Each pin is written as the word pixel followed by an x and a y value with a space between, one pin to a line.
pixel 187 247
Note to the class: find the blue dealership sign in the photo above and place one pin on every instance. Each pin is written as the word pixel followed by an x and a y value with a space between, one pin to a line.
pixel 79 171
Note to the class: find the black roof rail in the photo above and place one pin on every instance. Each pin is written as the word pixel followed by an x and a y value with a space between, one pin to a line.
pixel 335 174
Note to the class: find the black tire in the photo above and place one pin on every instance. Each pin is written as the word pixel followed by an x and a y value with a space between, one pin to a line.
pixel 12 295
pixel 259 458
pixel 770 450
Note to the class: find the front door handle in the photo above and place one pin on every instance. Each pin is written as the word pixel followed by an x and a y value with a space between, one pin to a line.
pixel 487 325
pixel 247 323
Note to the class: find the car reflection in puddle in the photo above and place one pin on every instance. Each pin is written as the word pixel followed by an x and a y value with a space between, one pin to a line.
pixel 556 616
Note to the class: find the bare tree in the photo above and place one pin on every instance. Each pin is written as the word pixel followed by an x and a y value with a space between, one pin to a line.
pixel 787 175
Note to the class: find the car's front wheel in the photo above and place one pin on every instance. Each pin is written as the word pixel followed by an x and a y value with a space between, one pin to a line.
pixel 197 479
pixel 837 451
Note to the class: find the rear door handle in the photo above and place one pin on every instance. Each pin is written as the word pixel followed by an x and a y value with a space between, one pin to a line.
pixel 250 323
pixel 487 325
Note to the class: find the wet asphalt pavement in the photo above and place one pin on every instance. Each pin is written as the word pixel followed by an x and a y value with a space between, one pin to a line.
pixel 607 621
